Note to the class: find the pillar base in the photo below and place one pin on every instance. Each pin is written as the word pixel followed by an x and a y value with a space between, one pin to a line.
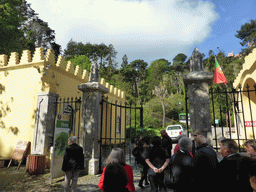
pixel 93 166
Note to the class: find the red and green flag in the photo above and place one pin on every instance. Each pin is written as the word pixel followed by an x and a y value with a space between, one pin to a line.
pixel 219 76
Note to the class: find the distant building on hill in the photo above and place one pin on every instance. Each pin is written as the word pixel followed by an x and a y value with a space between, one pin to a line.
pixel 232 55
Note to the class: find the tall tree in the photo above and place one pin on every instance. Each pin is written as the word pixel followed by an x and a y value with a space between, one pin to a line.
pixel 161 93
pixel 247 34
pixel 179 67
pixel 125 62
pixel 10 23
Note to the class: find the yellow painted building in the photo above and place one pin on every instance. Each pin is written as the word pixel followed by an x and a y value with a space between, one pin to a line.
pixel 247 77
pixel 22 79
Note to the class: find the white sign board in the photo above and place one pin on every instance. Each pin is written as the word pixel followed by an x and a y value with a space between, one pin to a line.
pixel 61 135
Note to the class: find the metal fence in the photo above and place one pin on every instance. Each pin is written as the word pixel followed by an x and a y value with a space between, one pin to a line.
pixel 232 114
pixel 120 127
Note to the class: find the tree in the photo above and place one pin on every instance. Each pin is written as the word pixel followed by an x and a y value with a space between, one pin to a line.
pixel 22 29
pixel 10 23
pixel 83 61
pixel 102 52
pixel 178 68
pixel 155 73
pixel 125 62
pixel 38 32
pixel 161 93
pixel 247 34
pixel 135 72
pixel 111 56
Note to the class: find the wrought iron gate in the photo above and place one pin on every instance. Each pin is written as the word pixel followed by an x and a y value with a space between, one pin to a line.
pixel 232 114
pixel 71 108
pixel 120 127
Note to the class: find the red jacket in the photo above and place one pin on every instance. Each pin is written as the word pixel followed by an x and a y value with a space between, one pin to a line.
pixel 130 184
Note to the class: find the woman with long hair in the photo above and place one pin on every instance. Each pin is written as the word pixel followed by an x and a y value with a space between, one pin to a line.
pixel 117 156
pixel 115 178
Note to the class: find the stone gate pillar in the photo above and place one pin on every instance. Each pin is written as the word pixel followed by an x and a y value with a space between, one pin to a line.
pixel 198 82
pixel 91 119
pixel 44 126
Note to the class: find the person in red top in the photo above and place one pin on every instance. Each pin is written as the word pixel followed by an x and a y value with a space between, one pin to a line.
pixel 117 156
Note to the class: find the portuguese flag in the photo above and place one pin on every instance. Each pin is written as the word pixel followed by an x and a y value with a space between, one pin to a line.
pixel 219 76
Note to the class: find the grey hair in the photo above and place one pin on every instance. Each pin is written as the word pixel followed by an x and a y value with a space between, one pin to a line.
pixel 221 139
pixel 230 144
pixel 73 139
pixel 200 139
pixel 185 143
pixel 116 156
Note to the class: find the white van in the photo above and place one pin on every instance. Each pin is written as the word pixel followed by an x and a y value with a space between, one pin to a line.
pixel 174 131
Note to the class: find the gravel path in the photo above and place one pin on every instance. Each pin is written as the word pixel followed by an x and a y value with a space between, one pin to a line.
pixel 17 180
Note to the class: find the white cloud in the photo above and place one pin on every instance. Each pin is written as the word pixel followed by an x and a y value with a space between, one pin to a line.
pixel 149 29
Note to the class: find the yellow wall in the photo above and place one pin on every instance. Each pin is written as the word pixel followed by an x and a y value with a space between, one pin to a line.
pixel 247 76
pixel 20 82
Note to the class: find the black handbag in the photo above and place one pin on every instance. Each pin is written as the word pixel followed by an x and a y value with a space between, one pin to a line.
pixel 169 180
pixel 72 164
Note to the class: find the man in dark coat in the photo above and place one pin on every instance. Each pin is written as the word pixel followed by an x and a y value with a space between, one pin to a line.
pixel 73 163
pixel 233 168
pixel 205 164
pixel 166 142
pixel 182 167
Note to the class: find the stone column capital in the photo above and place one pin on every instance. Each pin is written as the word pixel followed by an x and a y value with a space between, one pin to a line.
pixel 198 76
pixel 93 86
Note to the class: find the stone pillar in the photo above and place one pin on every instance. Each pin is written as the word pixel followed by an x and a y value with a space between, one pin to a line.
pixel 44 126
pixel 91 119
pixel 198 82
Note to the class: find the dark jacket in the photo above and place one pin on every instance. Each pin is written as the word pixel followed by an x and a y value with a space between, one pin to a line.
pixel 181 168
pixel 167 144
pixel 157 156
pixel 73 153
pixel 233 173
pixel 205 162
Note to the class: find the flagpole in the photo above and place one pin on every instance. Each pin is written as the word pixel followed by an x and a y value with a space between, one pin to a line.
pixel 238 120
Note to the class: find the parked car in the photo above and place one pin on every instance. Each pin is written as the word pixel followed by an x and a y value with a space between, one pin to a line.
pixel 174 131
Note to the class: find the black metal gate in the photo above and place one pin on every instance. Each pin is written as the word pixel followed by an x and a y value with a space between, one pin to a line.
pixel 232 114
pixel 69 109
pixel 121 125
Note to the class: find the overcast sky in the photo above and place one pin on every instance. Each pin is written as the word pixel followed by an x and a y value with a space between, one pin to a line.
pixel 148 29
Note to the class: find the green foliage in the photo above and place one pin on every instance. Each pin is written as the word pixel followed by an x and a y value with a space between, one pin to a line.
pixel 247 34
pixel 134 134
pixel 10 22
pixel 22 29
pixel 83 61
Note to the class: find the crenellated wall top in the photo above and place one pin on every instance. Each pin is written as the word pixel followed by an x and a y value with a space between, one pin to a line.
pixel 248 68
pixel 46 61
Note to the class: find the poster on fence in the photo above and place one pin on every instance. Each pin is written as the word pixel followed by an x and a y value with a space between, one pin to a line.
pixel 61 135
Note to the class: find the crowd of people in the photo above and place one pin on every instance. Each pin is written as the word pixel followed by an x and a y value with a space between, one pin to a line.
pixel 194 166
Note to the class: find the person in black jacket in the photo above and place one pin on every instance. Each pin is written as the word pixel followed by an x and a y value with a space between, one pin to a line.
pixel 233 169
pixel 73 163
pixel 181 167
pixel 166 142
pixel 205 163
pixel 157 159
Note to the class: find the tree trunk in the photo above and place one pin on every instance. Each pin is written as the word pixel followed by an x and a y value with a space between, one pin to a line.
pixel 162 102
